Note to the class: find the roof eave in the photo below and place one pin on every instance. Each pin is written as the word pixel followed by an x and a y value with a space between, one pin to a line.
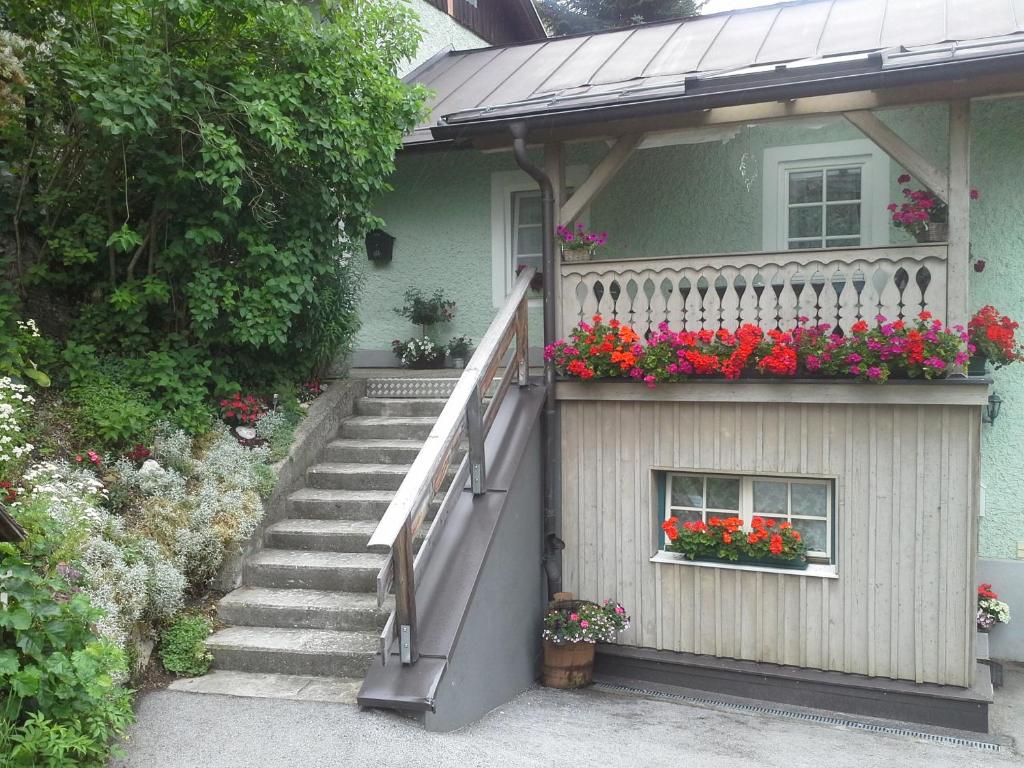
pixel 708 94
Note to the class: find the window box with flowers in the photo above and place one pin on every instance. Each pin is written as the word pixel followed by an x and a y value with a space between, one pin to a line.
pixel 750 522
pixel 921 348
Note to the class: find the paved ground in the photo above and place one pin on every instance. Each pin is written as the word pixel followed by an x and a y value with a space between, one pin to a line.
pixel 540 728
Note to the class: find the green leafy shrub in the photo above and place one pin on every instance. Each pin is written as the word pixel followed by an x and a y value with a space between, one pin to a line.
pixel 167 219
pixel 60 704
pixel 108 415
pixel 183 646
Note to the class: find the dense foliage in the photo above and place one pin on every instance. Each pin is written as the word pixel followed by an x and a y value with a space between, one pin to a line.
pixel 183 180
pixel 183 646
pixel 567 17
pixel 60 704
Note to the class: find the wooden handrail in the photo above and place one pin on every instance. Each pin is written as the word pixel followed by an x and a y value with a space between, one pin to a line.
pixel 463 414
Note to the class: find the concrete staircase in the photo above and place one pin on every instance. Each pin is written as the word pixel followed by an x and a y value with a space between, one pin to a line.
pixel 305 622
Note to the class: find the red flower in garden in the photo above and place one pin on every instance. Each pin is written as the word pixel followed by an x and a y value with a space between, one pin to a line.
pixel 669 527
pixel 9 491
pixel 775 544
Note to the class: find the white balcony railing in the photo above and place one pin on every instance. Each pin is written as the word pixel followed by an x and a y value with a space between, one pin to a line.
pixel 772 290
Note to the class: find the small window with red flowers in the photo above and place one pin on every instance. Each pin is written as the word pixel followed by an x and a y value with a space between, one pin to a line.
pixel 752 506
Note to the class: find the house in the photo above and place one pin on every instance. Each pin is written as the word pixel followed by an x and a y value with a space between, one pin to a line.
pixel 741 164
pixel 462 24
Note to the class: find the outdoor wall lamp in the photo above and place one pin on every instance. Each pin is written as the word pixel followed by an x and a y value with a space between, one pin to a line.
pixel 379 246
pixel 995 402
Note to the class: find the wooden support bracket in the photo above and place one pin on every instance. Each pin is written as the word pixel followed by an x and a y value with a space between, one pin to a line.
pixel 933 178
pixel 599 177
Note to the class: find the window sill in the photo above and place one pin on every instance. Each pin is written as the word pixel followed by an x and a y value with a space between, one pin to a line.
pixel 815 570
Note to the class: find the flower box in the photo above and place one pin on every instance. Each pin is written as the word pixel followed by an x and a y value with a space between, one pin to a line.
pixel 767 562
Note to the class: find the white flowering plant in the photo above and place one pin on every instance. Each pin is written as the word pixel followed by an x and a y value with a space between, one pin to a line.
pixel 991 610
pixel 582 621
pixel 419 353
pixel 15 407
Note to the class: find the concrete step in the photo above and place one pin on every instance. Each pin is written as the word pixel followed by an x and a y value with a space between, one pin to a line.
pixel 348 450
pixel 385 427
pixel 400 406
pixel 357 477
pixel 320 535
pixel 331 504
pixel 333 690
pixel 297 569
pixel 293 651
pixel 302 609
pixel 313 535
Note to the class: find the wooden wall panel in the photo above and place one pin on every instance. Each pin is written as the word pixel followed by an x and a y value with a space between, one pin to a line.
pixel 906 503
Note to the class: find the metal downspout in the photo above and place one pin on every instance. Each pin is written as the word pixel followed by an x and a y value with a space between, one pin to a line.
pixel 552 458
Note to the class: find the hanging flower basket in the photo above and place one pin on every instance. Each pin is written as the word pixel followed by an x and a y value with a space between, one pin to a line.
pixel 933 232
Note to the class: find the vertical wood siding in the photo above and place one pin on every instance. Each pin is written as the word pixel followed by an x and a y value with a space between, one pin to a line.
pixel 906 499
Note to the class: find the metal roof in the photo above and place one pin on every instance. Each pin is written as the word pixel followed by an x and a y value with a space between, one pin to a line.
pixel 793 41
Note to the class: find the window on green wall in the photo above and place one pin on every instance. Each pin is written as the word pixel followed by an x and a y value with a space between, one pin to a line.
pixel 526 231
pixel 806 503
pixel 825 196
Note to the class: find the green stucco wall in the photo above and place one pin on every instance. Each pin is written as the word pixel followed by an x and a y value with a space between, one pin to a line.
pixel 696 199
pixel 997 238
pixel 440 31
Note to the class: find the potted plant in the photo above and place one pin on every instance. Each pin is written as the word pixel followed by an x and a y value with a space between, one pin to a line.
pixel 425 310
pixel 418 353
pixel 458 348
pixel 923 214
pixel 768 542
pixel 571 630
pixel 991 610
pixel 992 339
pixel 578 244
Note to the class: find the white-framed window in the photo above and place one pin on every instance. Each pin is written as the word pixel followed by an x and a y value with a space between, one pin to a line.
pixel 825 196
pixel 806 503
pixel 516 225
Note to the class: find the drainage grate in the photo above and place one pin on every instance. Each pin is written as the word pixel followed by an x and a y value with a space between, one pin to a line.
pixel 806 716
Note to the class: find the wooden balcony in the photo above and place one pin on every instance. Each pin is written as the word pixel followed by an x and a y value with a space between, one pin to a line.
pixel 837 286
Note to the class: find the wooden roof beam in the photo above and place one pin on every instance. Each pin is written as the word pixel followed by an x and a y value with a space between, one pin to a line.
pixel 936 180
pixel 599 177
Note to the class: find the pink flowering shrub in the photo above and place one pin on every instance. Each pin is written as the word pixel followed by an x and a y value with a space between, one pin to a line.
pixel 920 208
pixel 579 239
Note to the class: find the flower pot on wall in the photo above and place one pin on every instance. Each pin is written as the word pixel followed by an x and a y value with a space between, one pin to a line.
pixel 934 232
pixel 977 366
pixel 570 665
pixel 576 255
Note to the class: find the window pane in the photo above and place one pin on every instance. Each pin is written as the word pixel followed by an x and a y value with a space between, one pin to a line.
pixel 795 245
pixel 806 222
pixel 528 208
pixel 723 493
pixel 685 516
pixel 769 498
pixel 842 220
pixel 814 533
pixel 687 491
pixel 805 187
pixel 843 184
pixel 528 240
pixel 808 500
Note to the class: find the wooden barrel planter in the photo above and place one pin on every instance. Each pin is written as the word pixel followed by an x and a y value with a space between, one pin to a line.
pixel 568 666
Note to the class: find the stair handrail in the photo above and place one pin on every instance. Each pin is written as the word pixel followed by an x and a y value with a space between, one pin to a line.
pixel 464 413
